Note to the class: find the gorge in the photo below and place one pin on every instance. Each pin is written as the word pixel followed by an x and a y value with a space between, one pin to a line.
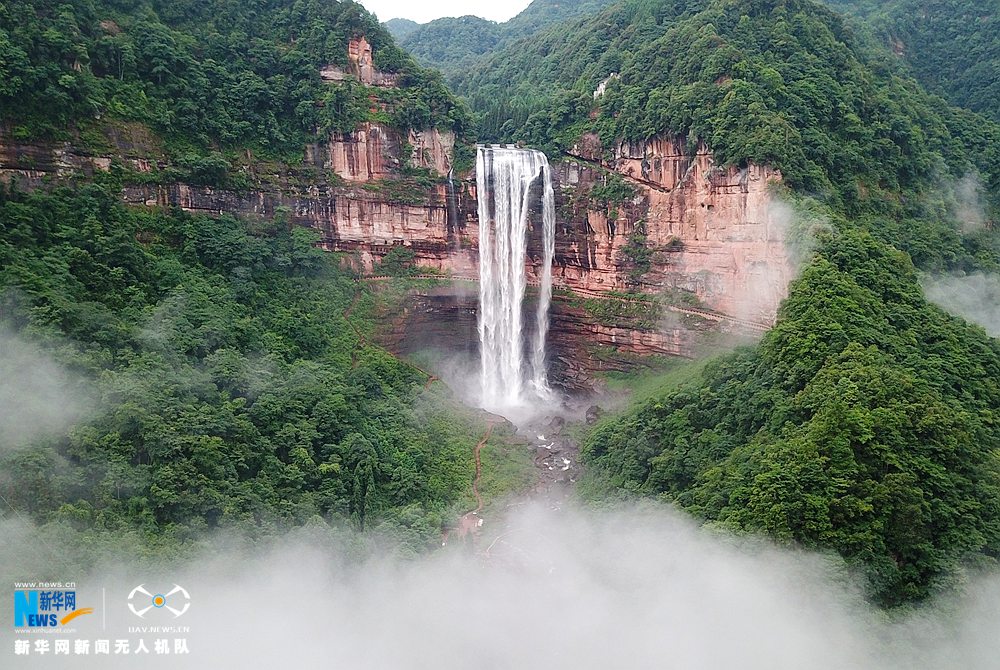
pixel 710 241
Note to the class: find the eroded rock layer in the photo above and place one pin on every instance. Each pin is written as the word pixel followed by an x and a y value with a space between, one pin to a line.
pixel 685 230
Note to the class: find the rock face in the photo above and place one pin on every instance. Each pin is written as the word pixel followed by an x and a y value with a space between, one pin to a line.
pixel 709 232
pixel 361 66
pixel 443 319
pixel 365 222
pixel 374 152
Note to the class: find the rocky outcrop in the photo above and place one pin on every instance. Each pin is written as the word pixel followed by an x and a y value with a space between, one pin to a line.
pixel 367 154
pixel 432 149
pixel 373 151
pixel 360 66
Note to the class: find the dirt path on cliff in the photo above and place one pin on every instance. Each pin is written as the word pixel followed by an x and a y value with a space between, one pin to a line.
pixel 470 522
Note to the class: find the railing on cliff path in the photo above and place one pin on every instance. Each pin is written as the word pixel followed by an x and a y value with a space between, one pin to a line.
pixel 755 326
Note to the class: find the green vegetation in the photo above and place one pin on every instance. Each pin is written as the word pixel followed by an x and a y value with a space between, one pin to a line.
pixel 400 28
pixel 452 45
pixel 508 469
pixel 865 421
pixel 950 46
pixel 641 314
pixel 230 74
pixel 399 262
pixel 612 193
pixel 643 385
pixel 783 82
pixel 235 383
pixel 636 256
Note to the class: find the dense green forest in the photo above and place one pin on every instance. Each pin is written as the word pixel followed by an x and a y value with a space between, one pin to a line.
pixel 950 46
pixel 782 82
pixel 779 82
pixel 400 28
pixel 227 387
pixel 865 421
pixel 452 45
pixel 221 75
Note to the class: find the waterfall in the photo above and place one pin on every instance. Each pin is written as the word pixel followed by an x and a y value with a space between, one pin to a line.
pixel 451 209
pixel 504 181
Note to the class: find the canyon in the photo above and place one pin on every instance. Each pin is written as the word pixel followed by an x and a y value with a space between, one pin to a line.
pixel 689 234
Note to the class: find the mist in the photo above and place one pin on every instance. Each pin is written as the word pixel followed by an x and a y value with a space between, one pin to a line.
pixel 39 398
pixel 974 297
pixel 792 233
pixel 631 587
pixel 969 202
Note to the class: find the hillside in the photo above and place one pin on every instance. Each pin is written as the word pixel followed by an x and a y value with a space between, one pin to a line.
pixel 400 28
pixel 865 419
pixel 452 45
pixel 950 46
pixel 230 77
pixel 223 368
pixel 784 83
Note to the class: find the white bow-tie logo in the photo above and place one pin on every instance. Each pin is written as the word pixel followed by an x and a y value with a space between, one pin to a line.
pixel 141 601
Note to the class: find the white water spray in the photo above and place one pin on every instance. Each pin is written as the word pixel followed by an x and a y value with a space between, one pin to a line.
pixel 504 179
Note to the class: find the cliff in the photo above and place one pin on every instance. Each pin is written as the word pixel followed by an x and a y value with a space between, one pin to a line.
pixel 709 233
pixel 710 236
pixel 649 218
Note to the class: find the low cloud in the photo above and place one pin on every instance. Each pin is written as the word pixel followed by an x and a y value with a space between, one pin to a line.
pixel 975 298
pixel 631 588
pixel 969 202
pixel 39 397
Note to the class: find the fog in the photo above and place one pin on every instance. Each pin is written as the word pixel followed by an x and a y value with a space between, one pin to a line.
pixel 38 397
pixel 969 202
pixel 975 298
pixel 792 233
pixel 570 589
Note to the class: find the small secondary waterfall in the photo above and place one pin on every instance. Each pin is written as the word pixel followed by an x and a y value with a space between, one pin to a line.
pixel 504 180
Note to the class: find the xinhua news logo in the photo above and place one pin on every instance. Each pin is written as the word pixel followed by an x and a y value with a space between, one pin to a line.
pixel 45 608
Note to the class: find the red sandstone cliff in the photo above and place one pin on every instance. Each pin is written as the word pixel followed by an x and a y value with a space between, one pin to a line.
pixel 711 233
pixel 714 232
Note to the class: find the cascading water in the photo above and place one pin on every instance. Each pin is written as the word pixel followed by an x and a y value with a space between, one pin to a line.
pixel 504 180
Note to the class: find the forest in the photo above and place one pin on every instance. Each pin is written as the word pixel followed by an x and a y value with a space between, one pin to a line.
pixel 230 76
pixel 864 422
pixel 949 45
pixel 452 45
pixel 223 383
